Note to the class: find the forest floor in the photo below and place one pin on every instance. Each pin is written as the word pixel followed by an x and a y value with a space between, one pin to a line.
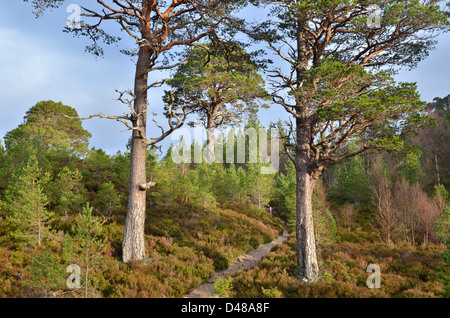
pixel 242 262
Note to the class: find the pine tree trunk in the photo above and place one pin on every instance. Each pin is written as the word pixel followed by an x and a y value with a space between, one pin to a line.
pixel 133 246
pixel 210 148
pixel 307 266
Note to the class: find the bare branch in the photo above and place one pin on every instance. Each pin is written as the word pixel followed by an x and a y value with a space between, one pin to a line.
pixel 173 114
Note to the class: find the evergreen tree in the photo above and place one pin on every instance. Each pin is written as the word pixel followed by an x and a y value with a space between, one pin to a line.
pixel 98 168
pixel 46 274
pixel 169 167
pixel 2 151
pixel 26 204
pixel 68 192
pixel 182 156
pixel 285 193
pixel 260 186
pixel 108 198
pixel 85 246
pixel 185 188
pixel 3 179
pixel 285 200
pixel 221 84
pixel 230 185
pixel 325 228
pixel 336 82
pixel 351 182
pixel 409 166
pixel 121 164
pixel 53 125
pixel 203 184
pixel 243 184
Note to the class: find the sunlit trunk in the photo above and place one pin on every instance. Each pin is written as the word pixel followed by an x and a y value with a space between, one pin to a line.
pixel 133 246
pixel 210 148
pixel 307 266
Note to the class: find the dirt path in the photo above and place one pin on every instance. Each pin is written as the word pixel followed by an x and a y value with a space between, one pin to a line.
pixel 242 262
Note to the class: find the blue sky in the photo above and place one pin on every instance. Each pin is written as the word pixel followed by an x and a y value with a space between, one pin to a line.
pixel 38 61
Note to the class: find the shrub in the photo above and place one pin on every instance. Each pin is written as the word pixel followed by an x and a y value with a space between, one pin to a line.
pixel 46 275
pixel 271 292
pixel 405 272
pixel 327 277
pixel 223 287
pixel 254 243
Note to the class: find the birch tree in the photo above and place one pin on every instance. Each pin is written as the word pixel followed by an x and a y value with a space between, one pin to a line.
pixel 383 199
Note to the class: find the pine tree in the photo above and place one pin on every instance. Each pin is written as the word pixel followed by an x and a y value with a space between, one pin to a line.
pixel 52 125
pixel 85 245
pixel 285 199
pixel 285 193
pixel 26 205
pixel 2 151
pixel 69 192
pixel 108 198
pixel 410 166
pixel 334 77
pixel 230 185
pixel 3 167
pixel 221 84
pixel 46 274
pixel 99 165
pixel 185 187
pixel 260 186
pixel 351 182
pixel 243 185
pixel 203 184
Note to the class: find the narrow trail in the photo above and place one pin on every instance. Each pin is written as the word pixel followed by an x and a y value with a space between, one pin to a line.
pixel 242 262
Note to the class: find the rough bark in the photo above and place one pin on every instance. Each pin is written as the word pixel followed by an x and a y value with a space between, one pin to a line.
pixel 133 246
pixel 307 266
pixel 210 149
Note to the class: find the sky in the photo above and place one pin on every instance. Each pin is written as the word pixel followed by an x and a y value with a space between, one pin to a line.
pixel 38 61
